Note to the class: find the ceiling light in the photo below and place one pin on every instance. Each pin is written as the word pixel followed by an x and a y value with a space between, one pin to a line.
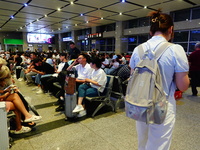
pixel 51 30
pixel 123 1
pixel 59 9
pixel 81 14
pixel 120 13
pixel 45 15
pixel 58 28
pixel 11 17
pixel 67 27
pixel 145 7
pixel 37 19
pixel 101 18
pixel 25 4
pixel 30 22
pixel 86 21
pixel 75 24
pixel 20 27
pixel 16 29
pixel 186 19
pixel 71 3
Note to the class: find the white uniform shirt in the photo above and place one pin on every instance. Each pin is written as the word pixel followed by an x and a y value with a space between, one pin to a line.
pixel 100 77
pixel 106 62
pixel 173 60
pixel 83 72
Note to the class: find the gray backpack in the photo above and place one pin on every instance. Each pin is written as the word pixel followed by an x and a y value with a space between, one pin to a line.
pixel 145 98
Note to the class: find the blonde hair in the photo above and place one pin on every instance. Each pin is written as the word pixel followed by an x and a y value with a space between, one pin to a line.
pixel 5 73
pixel 3 61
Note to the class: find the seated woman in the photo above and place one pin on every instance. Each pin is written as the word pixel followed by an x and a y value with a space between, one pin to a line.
pixel 95 83
pixel 13 101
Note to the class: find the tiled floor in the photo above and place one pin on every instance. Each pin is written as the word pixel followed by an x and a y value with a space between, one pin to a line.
pixel 108 131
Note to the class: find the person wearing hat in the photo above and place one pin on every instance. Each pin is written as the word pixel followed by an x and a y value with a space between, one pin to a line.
pixel 194 63
pixel 113 65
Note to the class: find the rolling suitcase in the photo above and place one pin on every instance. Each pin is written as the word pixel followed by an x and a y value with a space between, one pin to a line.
pixel 4 140
pixel 70 104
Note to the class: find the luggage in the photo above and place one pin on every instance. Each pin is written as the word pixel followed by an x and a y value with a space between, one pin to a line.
pixel 4 140
pixel 70 104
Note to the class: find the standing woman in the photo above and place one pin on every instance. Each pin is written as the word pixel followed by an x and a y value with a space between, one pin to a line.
pixel 174 70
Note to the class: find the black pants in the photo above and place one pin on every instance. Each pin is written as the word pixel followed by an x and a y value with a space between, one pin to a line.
pixel 18 71
pixel 195 81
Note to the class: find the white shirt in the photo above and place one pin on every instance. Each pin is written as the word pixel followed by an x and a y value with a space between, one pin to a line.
pixel 106 61
pixel 115 65
pixel 100 77
pixel 60 67
pixel 83 72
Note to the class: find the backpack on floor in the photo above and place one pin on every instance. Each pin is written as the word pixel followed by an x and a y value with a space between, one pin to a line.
pixel 145 98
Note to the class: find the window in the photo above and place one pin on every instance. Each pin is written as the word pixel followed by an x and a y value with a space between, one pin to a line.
pixel 195 13
pixel 106 28
pixel 107 45
pixel 144 22
pixel 195 35
pixel 182 15
pixel 181 36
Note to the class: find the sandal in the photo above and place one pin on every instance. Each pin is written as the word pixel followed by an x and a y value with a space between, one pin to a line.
pixel 21 131
pixel 33 118
pixel 28 124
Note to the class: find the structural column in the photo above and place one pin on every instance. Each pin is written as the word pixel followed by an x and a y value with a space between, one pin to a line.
pixel 119 47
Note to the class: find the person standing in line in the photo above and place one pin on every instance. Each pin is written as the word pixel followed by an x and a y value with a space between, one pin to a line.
pixel 74 51
pixel 194 62
pixel 174 70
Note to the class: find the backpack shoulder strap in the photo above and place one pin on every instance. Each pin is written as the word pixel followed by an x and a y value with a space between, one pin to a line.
pixel 140 51
pixel 161 49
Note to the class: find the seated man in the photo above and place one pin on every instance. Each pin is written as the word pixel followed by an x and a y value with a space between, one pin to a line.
pixel 43 69
pixel 96 82
pixel 47 82
pixel 83 70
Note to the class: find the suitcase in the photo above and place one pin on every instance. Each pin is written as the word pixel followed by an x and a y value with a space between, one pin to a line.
pixel 4 140
pixel 70 104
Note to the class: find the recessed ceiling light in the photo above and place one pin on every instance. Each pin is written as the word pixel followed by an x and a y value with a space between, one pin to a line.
pixel 123 1
pixel 186 19
pixel 81 14
pixel 86 21
pixel 58 28
pixel 145 7
pixel 71 3
pixel 45 15
pixel 75 24
pixel 120 13
pixel 20 27
pixel 67 27
pixel 101 17
pixel 51 30
pixel 59 9
pixel 37 19
pixel 30 22
pixel 11 17
pixel 25 4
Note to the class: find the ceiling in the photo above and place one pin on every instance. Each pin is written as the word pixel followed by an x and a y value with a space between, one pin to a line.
pixel 58 16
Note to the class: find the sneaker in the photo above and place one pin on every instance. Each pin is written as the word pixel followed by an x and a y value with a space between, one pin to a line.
pixel 78 108
pixel 35 88
pixel 33 118
pixel 21 131
pixel 20 79
pixel 82 113
pixel 40 91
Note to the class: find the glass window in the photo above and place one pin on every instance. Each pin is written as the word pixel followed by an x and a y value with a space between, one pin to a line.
pixel 182 15
pixel 131 47
pixel 102 42
pixel 181 36
pixel 191 47
pixel 184 45
pixel 195 35
pixel 109 41
pixel 144 22
pixel 132 40
pixel 142 38
pixel 195 13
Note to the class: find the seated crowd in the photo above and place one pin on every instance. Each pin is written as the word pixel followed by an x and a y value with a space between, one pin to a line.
pixel 45 69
